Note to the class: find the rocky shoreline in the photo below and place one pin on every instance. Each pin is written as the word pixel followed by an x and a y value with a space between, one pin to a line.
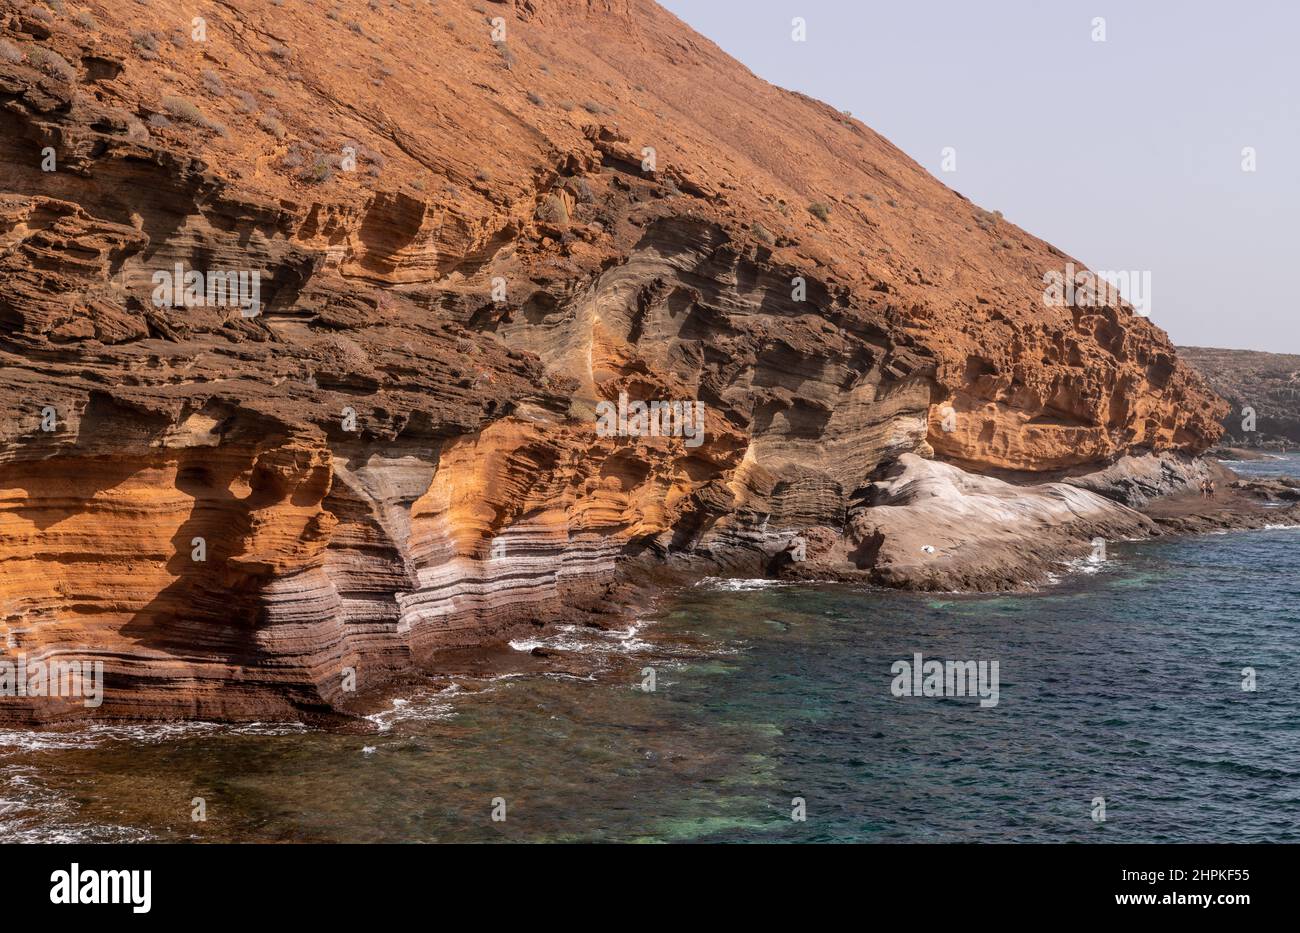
pixel 395 451
pixel 929 526
pixel 922 525
pixel 1054 530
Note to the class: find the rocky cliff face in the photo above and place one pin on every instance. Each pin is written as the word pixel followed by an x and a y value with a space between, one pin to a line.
pixel 1265 384
pixel 309 321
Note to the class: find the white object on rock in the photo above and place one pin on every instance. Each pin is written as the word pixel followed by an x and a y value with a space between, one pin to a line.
pixel 928 548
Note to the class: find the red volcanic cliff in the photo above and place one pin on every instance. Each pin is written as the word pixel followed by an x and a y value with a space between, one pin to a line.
pixel 465 236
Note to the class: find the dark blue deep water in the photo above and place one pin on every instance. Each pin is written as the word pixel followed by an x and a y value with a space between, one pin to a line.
pixel 1123 683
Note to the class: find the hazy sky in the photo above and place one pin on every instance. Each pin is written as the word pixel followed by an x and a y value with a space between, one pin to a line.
pixel 1126 153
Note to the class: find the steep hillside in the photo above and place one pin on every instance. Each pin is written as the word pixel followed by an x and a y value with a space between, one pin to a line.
pixel 462 227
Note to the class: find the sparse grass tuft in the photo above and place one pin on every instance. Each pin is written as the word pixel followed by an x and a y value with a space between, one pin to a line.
pixel 272 125
pixel 51 62
pixel 319 171
pixel 145 43
pixel 212 82
pixel 183 110
pixel 821 210
pixel 553 211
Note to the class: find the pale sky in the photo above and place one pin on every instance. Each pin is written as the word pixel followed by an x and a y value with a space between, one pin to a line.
pixel 1126 153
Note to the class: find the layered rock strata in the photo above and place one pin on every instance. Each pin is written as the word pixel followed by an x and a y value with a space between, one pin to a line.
pixel 307 323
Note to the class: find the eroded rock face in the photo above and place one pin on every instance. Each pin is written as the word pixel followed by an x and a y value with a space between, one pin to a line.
pixel 462 249
pixel 930 525
pixel 1263 390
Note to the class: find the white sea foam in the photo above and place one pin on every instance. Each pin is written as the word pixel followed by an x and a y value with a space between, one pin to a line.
pixel 1084 565
pixel 554 642
pixel 24 741
pixel 421 707
pixel 31 812
pixel 578 639
pixel 156 733
pixel 1079 565
pixel 737 585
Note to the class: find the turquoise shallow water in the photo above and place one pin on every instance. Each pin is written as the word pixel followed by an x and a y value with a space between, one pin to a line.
pixel 1123 683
